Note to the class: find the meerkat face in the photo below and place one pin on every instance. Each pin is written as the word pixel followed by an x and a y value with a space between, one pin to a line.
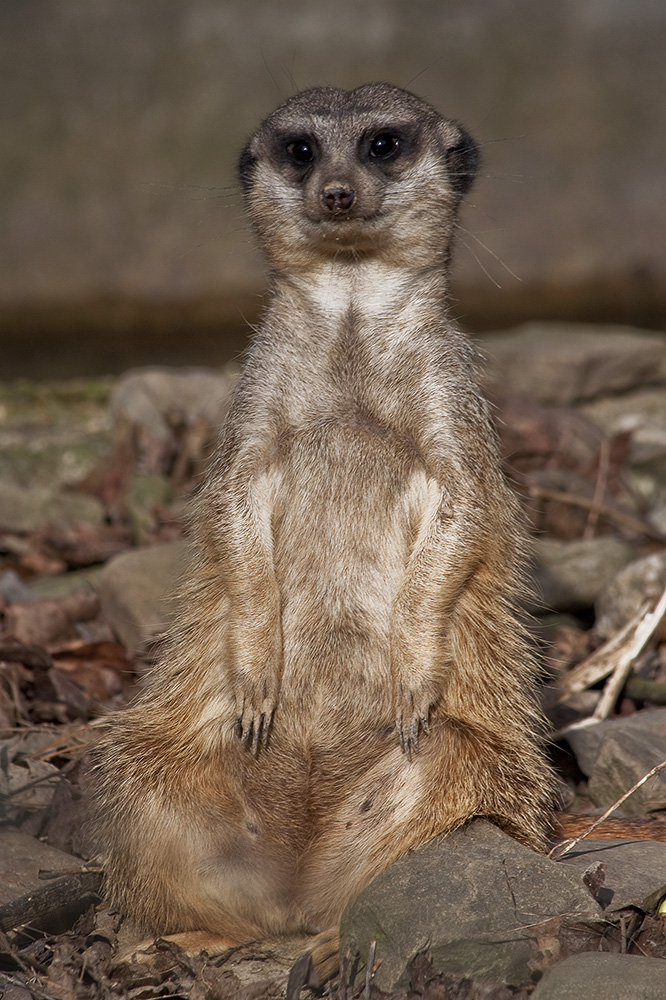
pixel 372 172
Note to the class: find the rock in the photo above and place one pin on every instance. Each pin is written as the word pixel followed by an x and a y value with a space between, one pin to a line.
pixel 12 588
pixel 623 760
pixel 634 869
pixel 27 898
pixel 26 509
pixel 136 588
pixel 623 596
pixel 38 623
pixel 614 754
pixel 586 740
pixel 64 584
pixel 52 433
pixel 595 976
pixel 571 575
pixel 148 397
pixel 564 363
pixel 643 413
pixel 144 493
pixel 27 784
pixel 472 898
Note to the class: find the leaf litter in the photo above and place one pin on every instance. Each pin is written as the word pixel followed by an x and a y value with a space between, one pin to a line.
pixel 61 669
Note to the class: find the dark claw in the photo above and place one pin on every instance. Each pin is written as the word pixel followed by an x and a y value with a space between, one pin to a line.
pixel 302 974
pixel 409 735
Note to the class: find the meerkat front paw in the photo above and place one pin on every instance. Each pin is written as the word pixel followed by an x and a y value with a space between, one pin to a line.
pixel 256 699
pixel 412 714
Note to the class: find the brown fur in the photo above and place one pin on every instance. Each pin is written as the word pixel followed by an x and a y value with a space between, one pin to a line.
pixel 347 677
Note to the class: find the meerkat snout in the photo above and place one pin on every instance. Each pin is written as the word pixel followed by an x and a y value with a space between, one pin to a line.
pixel 337 197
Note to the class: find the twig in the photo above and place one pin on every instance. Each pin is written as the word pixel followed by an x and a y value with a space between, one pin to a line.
pixel 601 662
pixel 644 630
pixel 619 516
pixel 615 657
pixel 599 489
pixel 558 852
pixel 13 981
pixel 370 970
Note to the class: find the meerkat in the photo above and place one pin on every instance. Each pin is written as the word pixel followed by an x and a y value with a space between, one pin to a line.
pixel 348 676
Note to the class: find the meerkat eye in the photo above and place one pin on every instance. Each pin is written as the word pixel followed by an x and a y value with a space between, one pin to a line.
pixel 301 151
pixel 384 145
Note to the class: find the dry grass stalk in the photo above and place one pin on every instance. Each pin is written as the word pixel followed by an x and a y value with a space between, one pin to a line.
pixel 558 852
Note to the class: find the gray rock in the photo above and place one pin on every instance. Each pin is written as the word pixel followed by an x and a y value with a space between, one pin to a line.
pixel 136 590
pixel 472 898
pixel 634 869
pixel 614 754
pixel 25 897
pixel 26 509
pixel 643 413
pixel 21 859
pixel 571 575
pixel 640 581
pixel 623 760
pixel 146 397
pixel 12 588
pixel 64 584
pixel 27 783
pixel 562 363
pixel 595 976
pixel 586 740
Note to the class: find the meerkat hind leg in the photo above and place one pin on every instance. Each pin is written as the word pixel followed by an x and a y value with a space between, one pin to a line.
pixel 191 942
pixel 317 965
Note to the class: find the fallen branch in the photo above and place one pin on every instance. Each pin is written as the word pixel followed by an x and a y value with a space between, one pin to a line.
pixel 600 663
pixel 621 517
pixel 625 658
pixel 616 657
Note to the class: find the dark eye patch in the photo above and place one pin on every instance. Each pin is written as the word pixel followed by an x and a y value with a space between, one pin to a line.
pixel 301 151
pixel 384 146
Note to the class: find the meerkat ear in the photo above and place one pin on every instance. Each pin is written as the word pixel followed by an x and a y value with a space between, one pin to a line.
pixel 246 162
pixel 462 160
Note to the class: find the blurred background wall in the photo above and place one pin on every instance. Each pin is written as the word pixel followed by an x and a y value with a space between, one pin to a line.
pixel 122 237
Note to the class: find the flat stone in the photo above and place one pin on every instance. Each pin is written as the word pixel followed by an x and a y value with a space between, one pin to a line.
pixel 22 857
pixel 64 584
pixel 616 753
pixel 473 898
pixel 623 760
pixel 634 869
pixel 564 363
pixel 26 509
pixel 595 976
pixel 572 575
pixel 146 397
pixel 586 741
pixel 12 588
pixel 25 897
pixel 640 581
pixel 136 589
pixel 643 413
pixel 27 784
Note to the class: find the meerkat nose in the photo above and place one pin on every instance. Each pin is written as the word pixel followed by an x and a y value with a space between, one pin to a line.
pixel 337 197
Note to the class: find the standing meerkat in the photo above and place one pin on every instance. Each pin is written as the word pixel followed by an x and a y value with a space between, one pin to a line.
pixel 347 677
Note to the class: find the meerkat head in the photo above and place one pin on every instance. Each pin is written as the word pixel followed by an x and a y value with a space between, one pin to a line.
pixel 371 172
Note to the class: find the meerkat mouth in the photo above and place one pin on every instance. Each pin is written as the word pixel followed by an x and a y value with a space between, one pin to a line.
pixel 358 233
